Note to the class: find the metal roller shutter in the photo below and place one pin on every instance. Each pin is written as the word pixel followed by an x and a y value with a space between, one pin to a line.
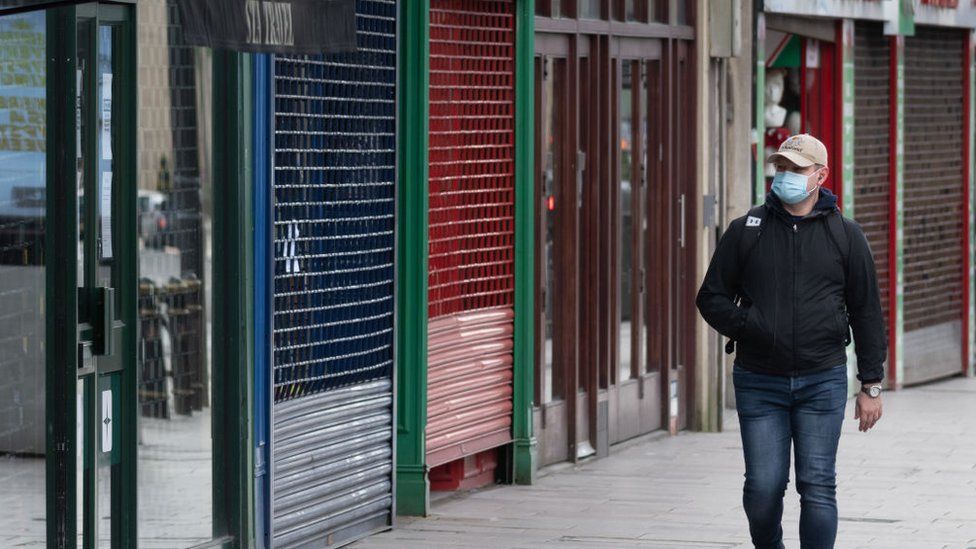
pixel 933 207
pixel 872 143
pixel 472 186
pixel 334 126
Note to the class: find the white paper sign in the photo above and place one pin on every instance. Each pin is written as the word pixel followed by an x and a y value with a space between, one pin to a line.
pixel 107 116
pixel 813 54
pixel 106 215
pixel 106 420
pixel 291 259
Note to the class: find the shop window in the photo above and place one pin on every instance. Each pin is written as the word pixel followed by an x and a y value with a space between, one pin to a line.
pixel 590 9
pixel 629 10
pixel 22 275
pixel 586 94
pixel 551 8
pixel 175 449
pixel 655 222
pixel 625 236
pixel 658 10
pixel 682 13
pixel 551 128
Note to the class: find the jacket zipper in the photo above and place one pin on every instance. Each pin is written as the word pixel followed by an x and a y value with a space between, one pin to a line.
pixel 794 298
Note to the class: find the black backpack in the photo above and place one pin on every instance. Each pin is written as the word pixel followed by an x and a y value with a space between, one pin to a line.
pixel 752 231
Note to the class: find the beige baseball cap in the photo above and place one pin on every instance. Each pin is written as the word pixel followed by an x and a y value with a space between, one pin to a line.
pixel 803 150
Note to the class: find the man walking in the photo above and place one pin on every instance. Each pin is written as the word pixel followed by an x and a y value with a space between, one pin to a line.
pixel 786 283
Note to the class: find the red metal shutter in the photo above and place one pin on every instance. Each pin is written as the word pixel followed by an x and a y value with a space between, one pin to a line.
pixel 872 143
pixel 472 191
pixel 933 205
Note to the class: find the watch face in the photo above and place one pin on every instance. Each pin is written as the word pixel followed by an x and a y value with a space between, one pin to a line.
pixel 875 391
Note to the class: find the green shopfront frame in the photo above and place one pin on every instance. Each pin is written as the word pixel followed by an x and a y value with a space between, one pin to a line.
pixel 91 290
pixel 412 491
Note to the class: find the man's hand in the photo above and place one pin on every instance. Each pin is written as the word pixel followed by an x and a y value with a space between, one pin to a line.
pixel 868 410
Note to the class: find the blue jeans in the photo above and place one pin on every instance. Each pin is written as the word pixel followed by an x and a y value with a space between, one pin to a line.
pixel 773 411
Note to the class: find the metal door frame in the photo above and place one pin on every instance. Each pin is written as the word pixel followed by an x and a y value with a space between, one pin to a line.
pixel 565 236
pixel 604 42
pixel 65 328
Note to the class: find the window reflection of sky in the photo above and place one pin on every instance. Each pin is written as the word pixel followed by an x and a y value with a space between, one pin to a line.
pixel 22 115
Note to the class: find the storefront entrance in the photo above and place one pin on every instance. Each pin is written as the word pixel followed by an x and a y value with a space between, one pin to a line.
pixel 113 428
pixel 613 176
pixel 67 203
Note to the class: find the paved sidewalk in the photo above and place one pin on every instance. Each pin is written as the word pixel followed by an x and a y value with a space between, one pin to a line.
pixel 909 483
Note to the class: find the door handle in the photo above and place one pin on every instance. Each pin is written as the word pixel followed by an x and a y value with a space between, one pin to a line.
pixel 580 167
pixel 681 221
pixel 103 301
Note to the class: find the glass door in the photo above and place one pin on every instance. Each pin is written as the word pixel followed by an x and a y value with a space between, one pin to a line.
pixel 24 267
pixel 105 271
pixel 67 276
pixel 556 300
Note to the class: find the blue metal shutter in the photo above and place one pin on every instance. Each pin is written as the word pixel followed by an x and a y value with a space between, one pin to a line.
pixel 332 441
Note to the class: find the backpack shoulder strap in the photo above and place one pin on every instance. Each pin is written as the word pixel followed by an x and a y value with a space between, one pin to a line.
pixel 837 228
pixel 751 232
pixel 748 238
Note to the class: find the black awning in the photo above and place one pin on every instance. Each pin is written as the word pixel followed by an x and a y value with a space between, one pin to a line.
pixel 272 26
pixel 9 6
pixel 281 26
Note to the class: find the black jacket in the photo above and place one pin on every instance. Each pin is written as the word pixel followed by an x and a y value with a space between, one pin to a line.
pixel 793 315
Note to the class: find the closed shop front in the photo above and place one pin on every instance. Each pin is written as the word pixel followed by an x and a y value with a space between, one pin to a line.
pixel 934 206
pixel 471 229
pixel 333 174
pixel 898 134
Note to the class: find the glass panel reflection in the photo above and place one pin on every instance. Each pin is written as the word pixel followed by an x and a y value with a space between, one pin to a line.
pixel 104 181
pixel 103 199
pixel 589 9
pixel 173 225
pixel 626 236
pixel 22 264
pixel 642 245
pixel 549 179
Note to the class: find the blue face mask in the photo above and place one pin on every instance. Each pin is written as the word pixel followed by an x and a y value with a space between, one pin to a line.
pixel 791 187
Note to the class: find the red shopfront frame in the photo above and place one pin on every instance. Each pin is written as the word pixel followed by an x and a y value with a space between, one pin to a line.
pixel 820 88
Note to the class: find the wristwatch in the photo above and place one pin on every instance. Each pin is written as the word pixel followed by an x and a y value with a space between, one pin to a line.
pixel 873 390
